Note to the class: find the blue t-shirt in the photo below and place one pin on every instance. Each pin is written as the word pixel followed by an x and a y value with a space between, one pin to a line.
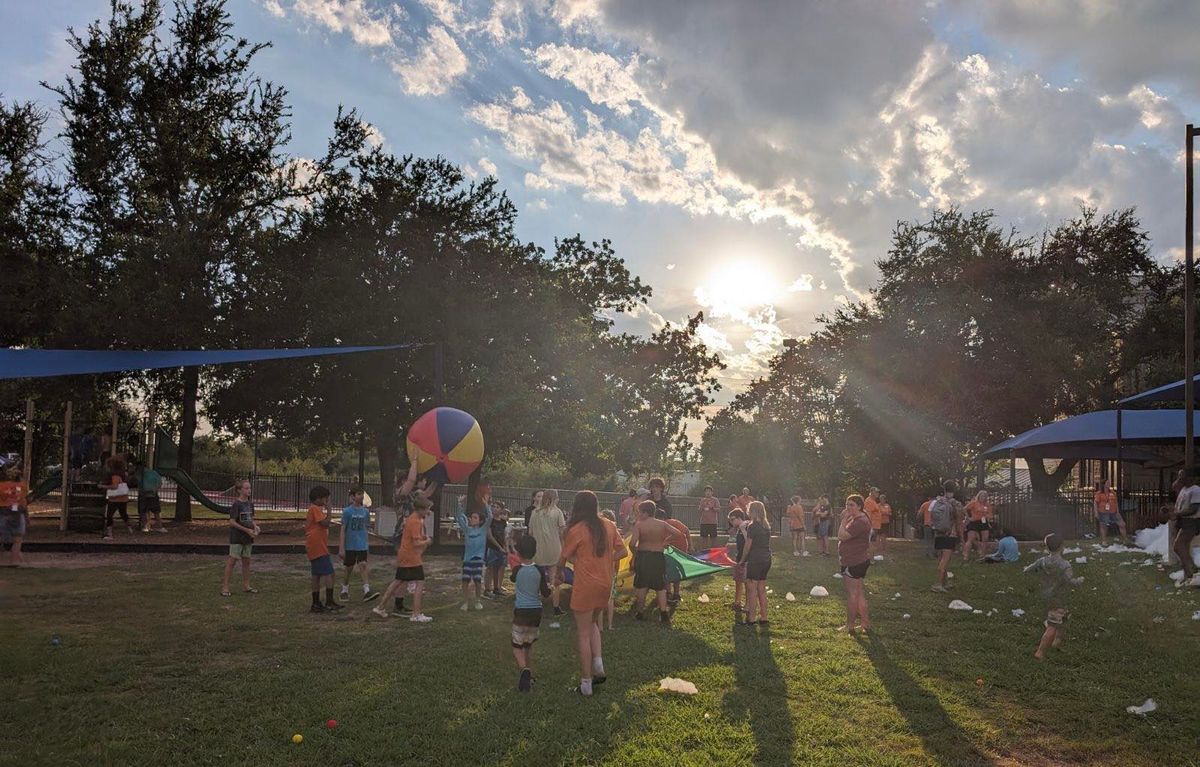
pixel 356 520
pixel 474 538
pixel 1007 549
pixel 531 586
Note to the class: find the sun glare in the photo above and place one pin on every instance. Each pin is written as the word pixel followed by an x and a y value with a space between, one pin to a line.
pixel 743 284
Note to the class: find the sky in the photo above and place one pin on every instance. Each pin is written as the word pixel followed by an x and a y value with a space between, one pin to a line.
pixel 748 159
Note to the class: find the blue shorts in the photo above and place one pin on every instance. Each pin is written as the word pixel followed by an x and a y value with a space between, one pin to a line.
pixel 322 565
pixel 1109 517
pixel 473 570
pixel 496 558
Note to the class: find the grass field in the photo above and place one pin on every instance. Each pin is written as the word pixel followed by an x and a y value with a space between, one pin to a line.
pixel 156 668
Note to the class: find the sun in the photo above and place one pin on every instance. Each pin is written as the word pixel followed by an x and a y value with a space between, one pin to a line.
pixel 742 284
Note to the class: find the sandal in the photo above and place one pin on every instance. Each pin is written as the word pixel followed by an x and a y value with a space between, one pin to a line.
pixel 226 594
pixel 250 591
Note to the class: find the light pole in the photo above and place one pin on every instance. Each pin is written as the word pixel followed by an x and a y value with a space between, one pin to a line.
pixel 1189 308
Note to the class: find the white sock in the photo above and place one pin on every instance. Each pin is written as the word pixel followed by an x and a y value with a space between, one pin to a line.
pixel 366 588
pixel 598 666
pixel 585 686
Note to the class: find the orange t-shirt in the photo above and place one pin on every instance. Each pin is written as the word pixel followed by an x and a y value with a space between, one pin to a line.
pixel 593 574
pixel 885 509
pixel 682 540
pixel 12 495
pixel 871 506
pixel 926 517
pixel 796 516
pixel 1106 503
pixel 979 511
pixel 316 535
pixel 744 501
pixel 414 532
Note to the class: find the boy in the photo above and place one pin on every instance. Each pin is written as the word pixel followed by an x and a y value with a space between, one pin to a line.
pixel 648 541
pixel 148 483
pixel 355 545
pixel 795 515
pixel 681 539
pixel 945 514
pixel 474 535
pixel 316 546
pixel 1057 579
pixel 410 571
pixel 709 508
pixel 531 586
pixel 14 514
pixel 496 557
pixel 242 532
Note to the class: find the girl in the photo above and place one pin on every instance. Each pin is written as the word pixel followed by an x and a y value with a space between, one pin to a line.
pixel 546 525
pixel 737 524
pixel 979 512
pixel 594 546
pixel 757 558
pixel 795 514
pixel 854 554
pixel 116 496
pixel 823 518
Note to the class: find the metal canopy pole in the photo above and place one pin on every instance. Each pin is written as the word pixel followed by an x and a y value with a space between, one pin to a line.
pixel 66 469
pixel 1189 308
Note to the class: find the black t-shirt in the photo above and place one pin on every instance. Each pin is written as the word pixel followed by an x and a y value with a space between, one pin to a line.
pixel 760 535
pixel 241 512
pixel 499 527
pixel 740 540
pixel 665 504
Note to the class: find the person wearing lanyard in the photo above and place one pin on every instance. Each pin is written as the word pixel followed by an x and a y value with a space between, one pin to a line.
pixel 1108 511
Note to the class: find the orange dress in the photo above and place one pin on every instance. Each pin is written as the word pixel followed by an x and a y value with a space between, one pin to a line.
pixel 593 574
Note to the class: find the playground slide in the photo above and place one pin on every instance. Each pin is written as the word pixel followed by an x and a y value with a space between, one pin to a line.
pixel 47 486
pixel 185 482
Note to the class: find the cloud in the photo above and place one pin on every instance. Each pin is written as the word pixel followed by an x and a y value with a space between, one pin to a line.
pixel 273 7
pixel 375 138
pixel 538 204
pixel 372 28
pixel 604 79
pixel 436 66
pixel 487 166
pixel 803 283
pixel 670 267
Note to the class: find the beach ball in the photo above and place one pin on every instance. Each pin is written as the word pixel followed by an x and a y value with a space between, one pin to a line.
pixel 446 445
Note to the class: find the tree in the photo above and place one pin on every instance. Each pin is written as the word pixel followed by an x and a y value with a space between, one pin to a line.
pixel 176 165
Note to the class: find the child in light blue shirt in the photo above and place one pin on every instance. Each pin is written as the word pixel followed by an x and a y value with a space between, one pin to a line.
pixel 474 531
pixel 1006 551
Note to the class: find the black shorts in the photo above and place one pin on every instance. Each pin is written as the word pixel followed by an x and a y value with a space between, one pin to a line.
pixel 945 542
pixel 708 531
pixel 757 571
pixel 1190 525
pixel 857 572
pixel 977 527
pixel 649 570
pixel 527 616
pixel 410 574
pixel 354 556
pixel 148 504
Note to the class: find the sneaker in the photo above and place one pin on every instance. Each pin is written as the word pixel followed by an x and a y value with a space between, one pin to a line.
pixel 108 534
pixel 370 595
pixel 938 589
pixel 500 593
pixel 403 612
pixel 333 606
pixel 479 605
pixel 380 611
pixel 317 609
pixel 526 681
pixel 795 553
pixel 161 530
pixel 557 611
pixel 465 606
pixel 345 593
pixel 420 618
pixel 804 553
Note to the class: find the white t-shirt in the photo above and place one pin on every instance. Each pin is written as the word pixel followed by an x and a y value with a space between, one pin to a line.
pixel 1187 497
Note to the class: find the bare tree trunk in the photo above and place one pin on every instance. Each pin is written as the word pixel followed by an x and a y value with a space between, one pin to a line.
pixel 187 437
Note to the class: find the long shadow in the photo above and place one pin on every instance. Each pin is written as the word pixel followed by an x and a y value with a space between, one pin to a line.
pixel 927 719
pixel 760 695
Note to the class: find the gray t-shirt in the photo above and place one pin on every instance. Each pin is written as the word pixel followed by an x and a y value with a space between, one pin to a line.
pixel 241 512
pixel 1057 579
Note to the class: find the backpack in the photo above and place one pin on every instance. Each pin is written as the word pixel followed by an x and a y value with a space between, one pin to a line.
pixel 941 514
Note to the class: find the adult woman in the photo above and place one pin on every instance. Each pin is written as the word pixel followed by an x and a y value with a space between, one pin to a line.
pixel 854 554
pixel 546 525
pixel 979 515
pixel 757 558
pixel 1107 511
pixel 593 544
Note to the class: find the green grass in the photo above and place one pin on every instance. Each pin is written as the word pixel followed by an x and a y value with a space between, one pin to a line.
pixel 156 668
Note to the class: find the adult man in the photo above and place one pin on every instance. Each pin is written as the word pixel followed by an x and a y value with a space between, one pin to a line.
pixel 1107 510
pixel 875 513
pixel 647 541
pixel 658 494
pixel 709 509
pixel 1187 518
pixel 945 516
pixel 744 500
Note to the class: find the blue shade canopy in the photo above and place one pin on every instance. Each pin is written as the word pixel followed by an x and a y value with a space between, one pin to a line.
pixel 43 363
pixel 1172 392
pixel 1094 435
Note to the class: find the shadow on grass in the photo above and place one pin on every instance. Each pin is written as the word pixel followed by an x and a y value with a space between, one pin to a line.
pixel 927 718
pixel 760 695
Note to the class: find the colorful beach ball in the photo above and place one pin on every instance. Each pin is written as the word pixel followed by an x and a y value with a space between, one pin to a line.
pixel 446 445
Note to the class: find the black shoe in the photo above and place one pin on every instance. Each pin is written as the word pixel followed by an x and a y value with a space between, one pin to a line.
pixel 639 616
pixel 371 596
pixel 333 607
pixel 598 680
pixel 557 611
pixel 664 617
pixel 317 609
pixel 525 683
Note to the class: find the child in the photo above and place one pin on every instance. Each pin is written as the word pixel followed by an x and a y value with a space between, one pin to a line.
pixel 1006 550
pixel 1057 579
pixel 531 586
pixel 737 523
pixel 756 556
pixel 242 532
pixel 823 519
pixel 795 514
pixel 410 572
pixel 316 546
pixel 116 494
pixel 498 546
pixel 14 514
pixel 612 595
pixel 149 482
pixel 355 545
pixel 474 535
